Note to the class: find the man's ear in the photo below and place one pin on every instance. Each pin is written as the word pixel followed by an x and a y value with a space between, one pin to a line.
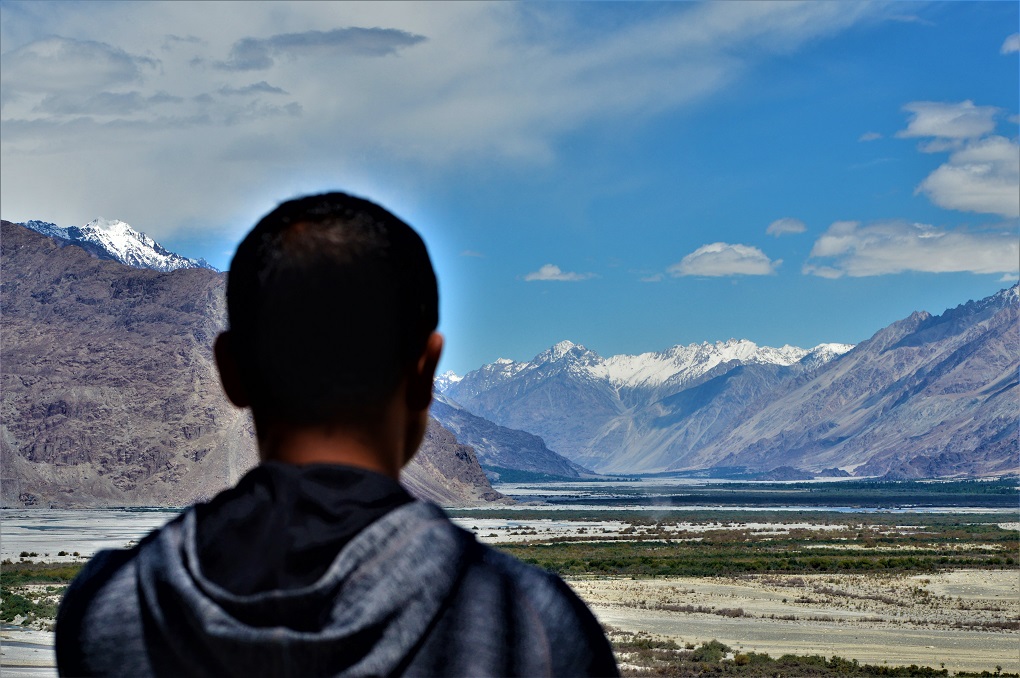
pixel 419 386
pixel 230 375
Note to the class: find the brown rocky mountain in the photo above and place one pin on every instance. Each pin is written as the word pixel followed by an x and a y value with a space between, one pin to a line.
pixel 441 456
pixel 110 395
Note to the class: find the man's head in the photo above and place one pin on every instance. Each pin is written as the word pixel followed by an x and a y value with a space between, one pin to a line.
pixel 332 302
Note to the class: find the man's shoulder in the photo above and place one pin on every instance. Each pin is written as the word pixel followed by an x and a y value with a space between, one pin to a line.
pixel 534 607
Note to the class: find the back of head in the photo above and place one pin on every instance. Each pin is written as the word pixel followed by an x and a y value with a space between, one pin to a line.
pixel 330 298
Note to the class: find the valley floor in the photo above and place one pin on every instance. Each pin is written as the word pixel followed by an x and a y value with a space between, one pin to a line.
pixel 939 590
pixel 953 620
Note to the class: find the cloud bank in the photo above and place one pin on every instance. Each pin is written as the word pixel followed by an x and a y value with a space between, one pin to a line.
pixel 56 65
pixel 983 176
pixel 722 259
pixel 983 171
pixel 848 248
pixel 345 93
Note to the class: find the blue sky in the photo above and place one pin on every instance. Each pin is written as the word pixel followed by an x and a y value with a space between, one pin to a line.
pixel 629 176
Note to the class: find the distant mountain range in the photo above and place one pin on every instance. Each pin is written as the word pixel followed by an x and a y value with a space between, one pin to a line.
pixel 109 394
pixel 926 397
pixel 116 240
pixel 590 409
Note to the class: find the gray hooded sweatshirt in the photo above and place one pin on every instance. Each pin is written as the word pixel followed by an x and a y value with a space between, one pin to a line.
pixel 412 594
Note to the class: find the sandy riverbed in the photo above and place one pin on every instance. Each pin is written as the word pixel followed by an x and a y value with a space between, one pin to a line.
pixel 932 620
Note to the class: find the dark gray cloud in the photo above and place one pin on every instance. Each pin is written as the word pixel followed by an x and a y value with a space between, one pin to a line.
pixel 254 54
pixel 261 87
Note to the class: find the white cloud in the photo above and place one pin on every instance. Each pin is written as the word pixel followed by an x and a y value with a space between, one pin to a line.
pixel 983 176
pixel 1011 44
pixel 472 253
pixel 721 259
pixel 961 120
pixel 1009 277
pixel 553 272
pixel 382 89
pixel 983 171
pixel 785 226
pixel 848 248
pixel 870 136
pixel 653 278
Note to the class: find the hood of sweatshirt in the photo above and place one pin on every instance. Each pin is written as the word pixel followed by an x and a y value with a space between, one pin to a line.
pixel 366 615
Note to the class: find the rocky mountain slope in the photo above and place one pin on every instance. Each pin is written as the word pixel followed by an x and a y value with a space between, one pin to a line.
pixel 441 456
pixel 499 448
pixel 926 397
pixel 109 391
pixel 116 240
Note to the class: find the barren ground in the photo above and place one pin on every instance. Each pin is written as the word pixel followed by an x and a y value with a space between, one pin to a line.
pixel 951 619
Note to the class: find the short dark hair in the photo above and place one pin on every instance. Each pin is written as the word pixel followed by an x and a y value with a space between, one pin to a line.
pixel 329 299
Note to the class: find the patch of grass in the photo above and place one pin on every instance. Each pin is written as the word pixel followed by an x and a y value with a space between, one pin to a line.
pixel 18 574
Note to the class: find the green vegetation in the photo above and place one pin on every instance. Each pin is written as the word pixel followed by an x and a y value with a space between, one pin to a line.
pixel 643 655
pixel 18 574
pixel 32 605
pixel 33 590
pixel 660 549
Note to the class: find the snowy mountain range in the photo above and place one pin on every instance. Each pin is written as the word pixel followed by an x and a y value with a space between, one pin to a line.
pixel 116 240
pixel 928 396
pixel 670 370
pixel 591 409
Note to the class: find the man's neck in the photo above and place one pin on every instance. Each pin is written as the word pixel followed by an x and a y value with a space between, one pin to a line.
pixel 333 445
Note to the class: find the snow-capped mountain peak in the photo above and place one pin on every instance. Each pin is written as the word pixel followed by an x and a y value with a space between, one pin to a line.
pixel 445 380
pixel 117 240
pixel 824 353
pixel 567 351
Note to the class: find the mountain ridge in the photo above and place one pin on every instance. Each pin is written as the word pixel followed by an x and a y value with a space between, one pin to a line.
pixel 117 240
